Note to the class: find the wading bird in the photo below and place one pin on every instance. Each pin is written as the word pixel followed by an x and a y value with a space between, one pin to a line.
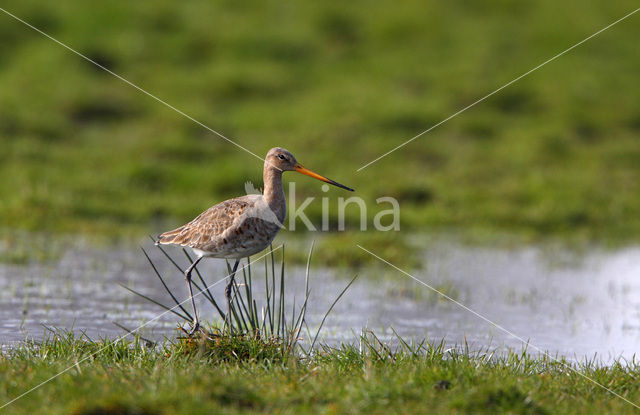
pixel 240 227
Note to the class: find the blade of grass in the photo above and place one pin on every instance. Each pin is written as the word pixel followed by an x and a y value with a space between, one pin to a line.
pixel 175 264
pixel 132 333
pixel 303 310
pixel 249 292
pixel 265 312
pixel 269 293
pixel 155 270
pixel 281 316
pixel 259 327
pixel 368 346
pixel 273 287
pixel 189 319
pixel 242 308
pixel 236 311
pixel 331 308
pixel 246 299
pixel 293 314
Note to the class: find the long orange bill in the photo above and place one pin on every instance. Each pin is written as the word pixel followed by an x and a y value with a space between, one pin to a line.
pixel 308 172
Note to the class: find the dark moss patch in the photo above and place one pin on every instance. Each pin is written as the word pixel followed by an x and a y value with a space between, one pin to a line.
pixel 100 110
pixel 115 408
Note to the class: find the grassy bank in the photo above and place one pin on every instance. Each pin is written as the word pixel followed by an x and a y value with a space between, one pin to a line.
pixel 131 378
pixel 338 84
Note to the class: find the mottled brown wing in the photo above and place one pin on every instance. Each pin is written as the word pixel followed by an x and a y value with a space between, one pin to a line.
pixel 208 226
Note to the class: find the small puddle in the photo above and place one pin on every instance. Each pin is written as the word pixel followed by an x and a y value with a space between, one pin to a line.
pixel 567 304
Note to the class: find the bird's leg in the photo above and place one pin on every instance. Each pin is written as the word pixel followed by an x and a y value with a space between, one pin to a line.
pixel 187 276
pixel 227 293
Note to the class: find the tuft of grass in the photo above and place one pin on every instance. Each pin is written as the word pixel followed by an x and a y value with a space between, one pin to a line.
pixel 216 346
pixel 257 328
pixel 65 345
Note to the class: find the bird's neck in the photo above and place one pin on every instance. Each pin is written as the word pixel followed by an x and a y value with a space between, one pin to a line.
pixel 273 190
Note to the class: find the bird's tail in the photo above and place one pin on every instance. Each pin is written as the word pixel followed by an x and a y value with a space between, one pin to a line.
pixel 171 237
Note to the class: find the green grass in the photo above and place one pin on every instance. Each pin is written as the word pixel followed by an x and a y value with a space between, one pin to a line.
pixel 108 377
pixel 338 84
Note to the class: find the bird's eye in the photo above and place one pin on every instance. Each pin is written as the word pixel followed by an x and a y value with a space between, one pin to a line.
pixel 281 157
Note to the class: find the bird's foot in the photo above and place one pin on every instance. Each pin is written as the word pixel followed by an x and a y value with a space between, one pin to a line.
pixel 194 329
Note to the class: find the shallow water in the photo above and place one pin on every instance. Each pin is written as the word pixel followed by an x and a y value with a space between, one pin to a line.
pixel 575 305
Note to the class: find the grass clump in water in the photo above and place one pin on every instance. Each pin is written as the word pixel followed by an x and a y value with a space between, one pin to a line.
pixel 256 329
pixel 223 347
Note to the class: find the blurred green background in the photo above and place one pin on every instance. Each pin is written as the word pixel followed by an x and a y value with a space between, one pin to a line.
pixel 338 84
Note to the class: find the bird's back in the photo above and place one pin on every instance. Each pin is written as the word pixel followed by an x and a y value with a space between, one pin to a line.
pixel 234 228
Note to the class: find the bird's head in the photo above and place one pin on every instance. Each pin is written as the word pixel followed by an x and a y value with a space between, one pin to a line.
pixel 283 160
